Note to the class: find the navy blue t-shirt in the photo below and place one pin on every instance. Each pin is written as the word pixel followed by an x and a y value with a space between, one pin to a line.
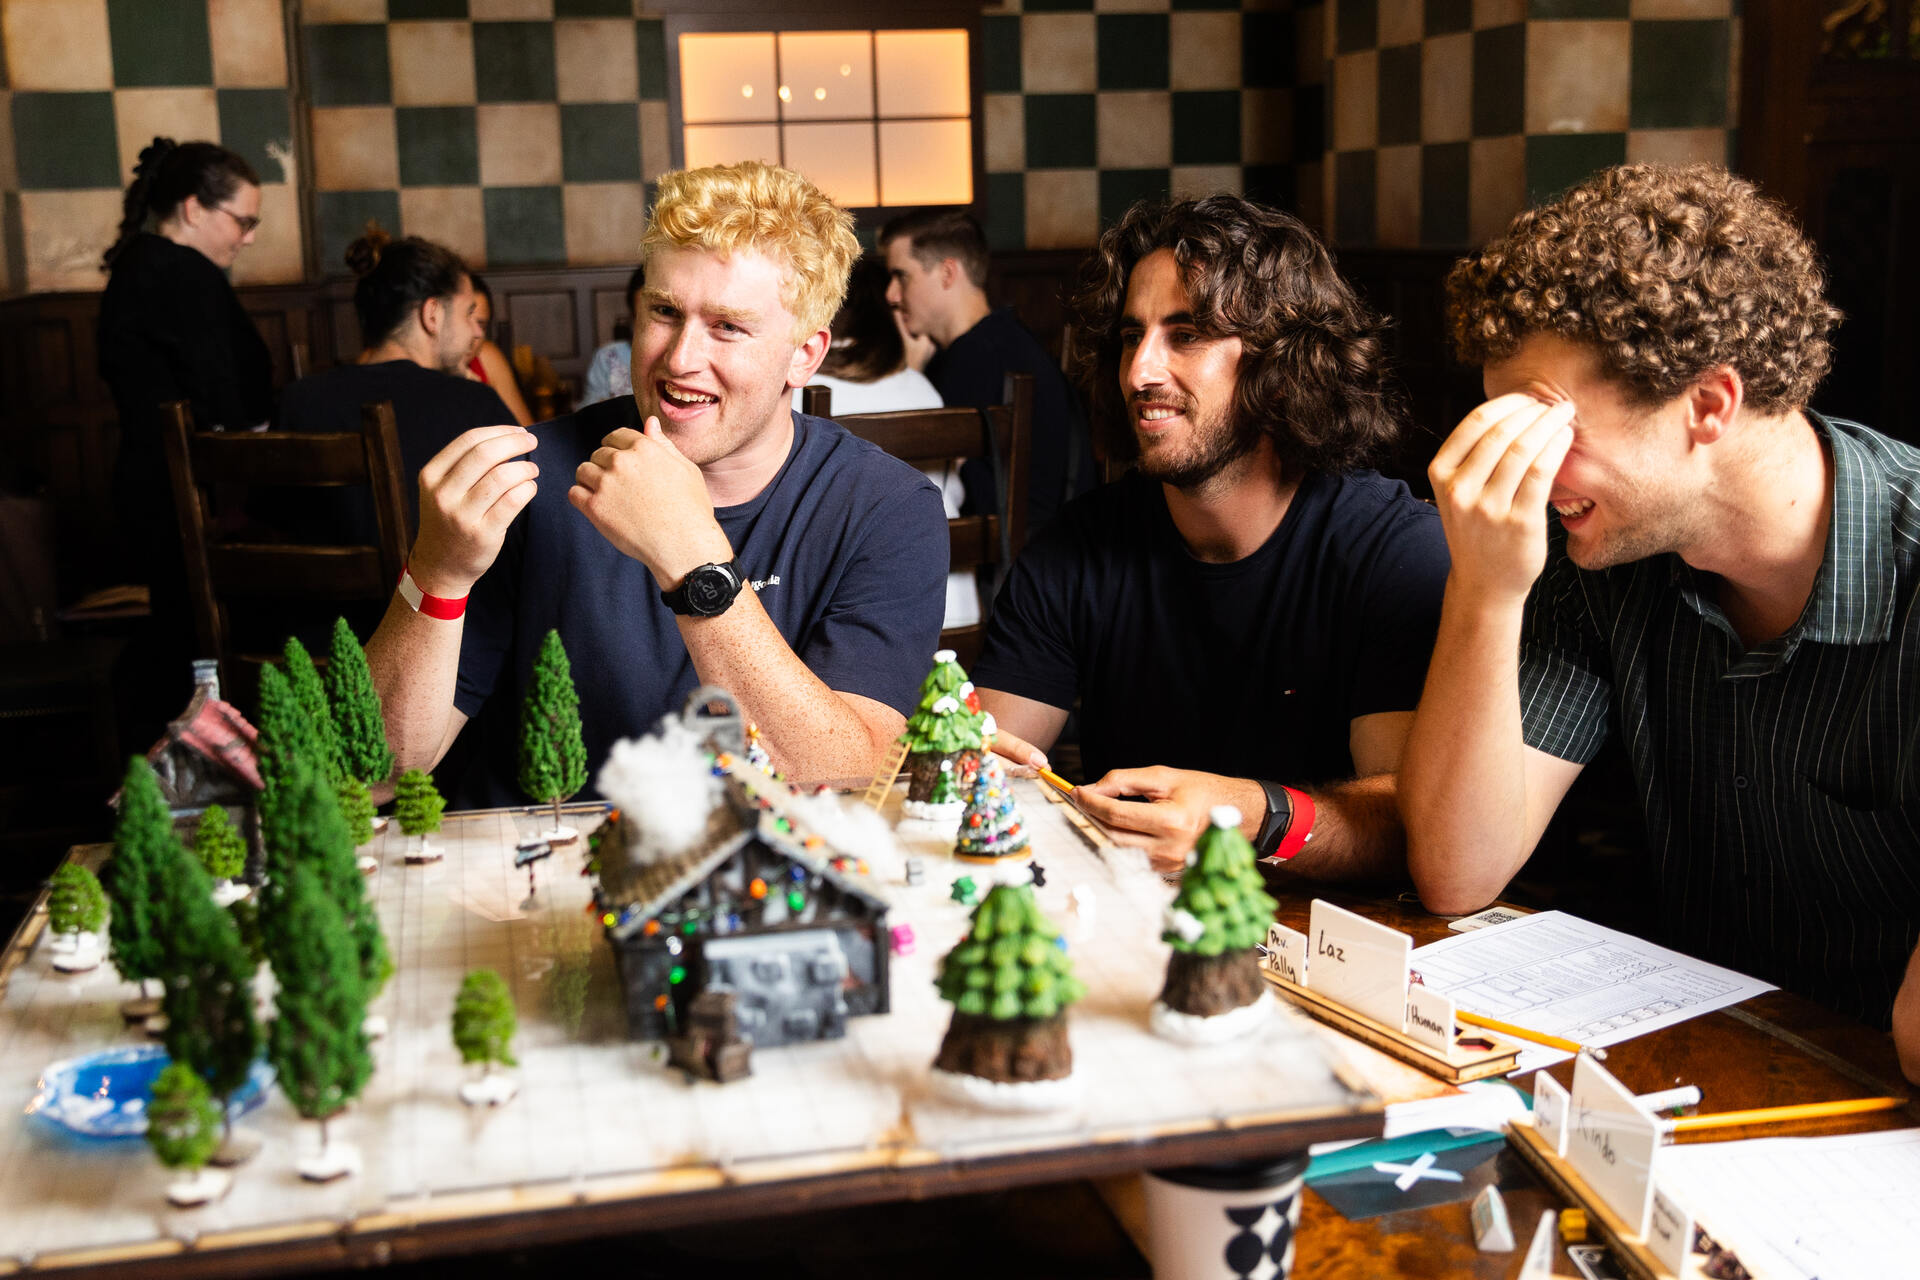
pixel 1252 669
pixel 846 547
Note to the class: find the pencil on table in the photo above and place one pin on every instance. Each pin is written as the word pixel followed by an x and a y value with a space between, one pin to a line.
pixel 1774 1115
pixel 1524 1033
pixel 1055 780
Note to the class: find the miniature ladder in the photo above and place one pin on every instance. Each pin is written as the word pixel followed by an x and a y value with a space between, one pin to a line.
pixel 883 781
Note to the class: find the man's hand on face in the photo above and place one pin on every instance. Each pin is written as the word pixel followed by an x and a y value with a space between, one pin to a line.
pixel 649 500
pixel 920 349
pixel 1167 808
pixel 1491 481
pixel 469 493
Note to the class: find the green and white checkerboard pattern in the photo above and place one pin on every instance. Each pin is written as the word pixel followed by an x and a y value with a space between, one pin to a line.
pixel 91 82
pixel 1447 117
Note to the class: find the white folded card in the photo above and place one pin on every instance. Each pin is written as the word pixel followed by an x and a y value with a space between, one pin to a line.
pixel 1429 1017
pixel 1612 1142
pixel 1361 964
pixel 1287 953
pixel 1550 1112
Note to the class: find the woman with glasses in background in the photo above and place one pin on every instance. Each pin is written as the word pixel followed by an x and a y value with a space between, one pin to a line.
pixel 172 328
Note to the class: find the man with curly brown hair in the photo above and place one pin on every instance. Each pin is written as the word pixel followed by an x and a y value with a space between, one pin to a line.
pixel 1245 618
pixel 1728 582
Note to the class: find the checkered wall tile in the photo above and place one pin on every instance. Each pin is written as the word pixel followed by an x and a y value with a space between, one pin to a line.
pixel 1447 117
pixel 91 82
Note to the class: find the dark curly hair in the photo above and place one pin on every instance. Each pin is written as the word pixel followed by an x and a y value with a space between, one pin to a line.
pixel 396 277
pixel 166 173
pixel 1313 367
pixel 1665 271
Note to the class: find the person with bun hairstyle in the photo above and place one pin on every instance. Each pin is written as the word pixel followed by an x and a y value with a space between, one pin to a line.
pixel 1246 617
pixel 697 532
pixel 419 325
pixel 172 328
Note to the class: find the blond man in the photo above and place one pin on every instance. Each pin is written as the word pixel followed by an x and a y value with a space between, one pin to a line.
pixel 694 532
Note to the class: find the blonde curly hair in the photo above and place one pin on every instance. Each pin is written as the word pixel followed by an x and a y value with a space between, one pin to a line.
pixel 1666 271
pixel 775 211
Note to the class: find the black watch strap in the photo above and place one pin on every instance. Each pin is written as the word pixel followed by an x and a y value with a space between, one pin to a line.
pixel 706 591
pixel 1279 818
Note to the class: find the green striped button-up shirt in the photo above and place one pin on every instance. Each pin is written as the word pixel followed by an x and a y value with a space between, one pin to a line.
pixel 1781 783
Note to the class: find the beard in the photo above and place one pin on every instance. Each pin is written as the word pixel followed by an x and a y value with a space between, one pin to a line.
pixel 1219 438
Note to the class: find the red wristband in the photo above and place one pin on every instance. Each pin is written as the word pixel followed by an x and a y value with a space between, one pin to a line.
pixel 1299 826
pixel 443 607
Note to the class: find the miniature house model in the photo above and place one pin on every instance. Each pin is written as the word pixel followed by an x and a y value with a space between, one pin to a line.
pixel 716 877
pixel 207 757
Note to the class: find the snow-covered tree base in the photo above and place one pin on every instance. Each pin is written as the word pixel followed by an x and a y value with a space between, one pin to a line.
pixel 240 1146
pixel 996 1095
pixel 491 1090
pixel 427 852
pixel 375 1026
pixel 380 823
pixel 204 1187
pixel 156 1026
pixel 562 834
pixel 228 892
pixel 334 1161
pixel 928 811
pixel 367 863
pixel 1218 1029
pixel 81 954
pixel 140 1008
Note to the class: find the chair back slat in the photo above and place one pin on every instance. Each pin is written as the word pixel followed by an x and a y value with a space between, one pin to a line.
pixel 271 570
pixel 277 457
pixel 816 400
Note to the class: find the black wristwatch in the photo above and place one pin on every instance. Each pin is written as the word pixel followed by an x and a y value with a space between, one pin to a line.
pixel 1279 818
pixel 705 591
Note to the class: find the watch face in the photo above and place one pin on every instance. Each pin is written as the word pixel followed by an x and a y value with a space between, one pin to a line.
pixel 710 589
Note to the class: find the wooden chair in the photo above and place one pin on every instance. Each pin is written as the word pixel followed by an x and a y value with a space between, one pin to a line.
pixel 262 572
pixel 930 439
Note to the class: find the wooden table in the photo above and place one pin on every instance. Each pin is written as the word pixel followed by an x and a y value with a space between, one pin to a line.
pixel 620 1143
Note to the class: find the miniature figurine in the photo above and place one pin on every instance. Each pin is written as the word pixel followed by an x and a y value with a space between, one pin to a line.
pixel 553 756
pixel 905 943
pixel 76 908
pixel 712 1047
pixel 1214 990
pixel 1039 874
pixel 526 854
pixel 182 1128
pixel 757 752
pixel 991 828
pixel 143 840
pixel 1010 984
pixel 357 719
pixel 965 891
pixel 418 806
pixel 318 1043
pixel 916 871
pixel 943 740
pixel 483 1026
pixel 222 851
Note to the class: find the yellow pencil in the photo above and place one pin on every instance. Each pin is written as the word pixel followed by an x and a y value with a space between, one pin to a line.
pixel 1772 1115
pixel 1523 1033
pixel 1054 779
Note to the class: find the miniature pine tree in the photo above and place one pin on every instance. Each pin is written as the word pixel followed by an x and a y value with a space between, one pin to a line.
pixel 219 847
pixel 1223 909
pixel 483 1020
pixel 553 755
pixel 134 877
pixel 312 697
pixel 357 720
pixel 75 901
pixel 947 717
pixel 417 804
pixel 991 826
pixel 1010 964
pixel 209 983
pixel 316 838
pixel 285 736
pixel 356 809
pixel 318 1044
pixel 183 1126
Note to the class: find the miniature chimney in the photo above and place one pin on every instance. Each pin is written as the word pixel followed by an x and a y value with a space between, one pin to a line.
pixel 206 671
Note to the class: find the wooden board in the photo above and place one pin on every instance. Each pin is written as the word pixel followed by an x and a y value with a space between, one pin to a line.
pixel 602 1131
pixel 1629 1248
pixel 1456 1065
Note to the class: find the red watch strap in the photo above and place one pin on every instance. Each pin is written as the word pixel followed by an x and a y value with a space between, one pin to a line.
pixel 445 608
pixel 1299 827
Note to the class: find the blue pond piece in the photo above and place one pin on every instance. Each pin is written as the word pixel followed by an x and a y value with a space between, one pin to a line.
pixel 105 1094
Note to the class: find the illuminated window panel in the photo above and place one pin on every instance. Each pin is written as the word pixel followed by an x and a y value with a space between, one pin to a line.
pixel 727 77
pixel 731 143
pixel 837 158
pixel 926 162
pixel 828 75
pixel 922 73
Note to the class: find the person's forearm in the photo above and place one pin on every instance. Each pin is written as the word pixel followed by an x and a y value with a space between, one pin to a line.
pixel 414 660
pixel 1357 835
pixel 812 733
pixel 1906 1021
pixel 1462 785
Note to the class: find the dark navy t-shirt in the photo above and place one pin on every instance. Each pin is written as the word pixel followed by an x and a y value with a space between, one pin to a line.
pixel 846 547
pixel 1250 669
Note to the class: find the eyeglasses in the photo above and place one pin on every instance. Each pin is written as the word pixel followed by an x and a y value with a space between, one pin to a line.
pixel 247 224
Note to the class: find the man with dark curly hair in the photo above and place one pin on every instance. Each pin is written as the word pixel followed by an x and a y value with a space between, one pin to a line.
pixel 1246 617
pixel 1728 582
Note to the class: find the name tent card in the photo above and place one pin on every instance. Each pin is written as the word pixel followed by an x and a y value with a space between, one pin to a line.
pixel 1669 1232
pixel 1361 964
pixel 1612 1141
pixel 1287 953
pixel 1429 1017
pixel 1550 1104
